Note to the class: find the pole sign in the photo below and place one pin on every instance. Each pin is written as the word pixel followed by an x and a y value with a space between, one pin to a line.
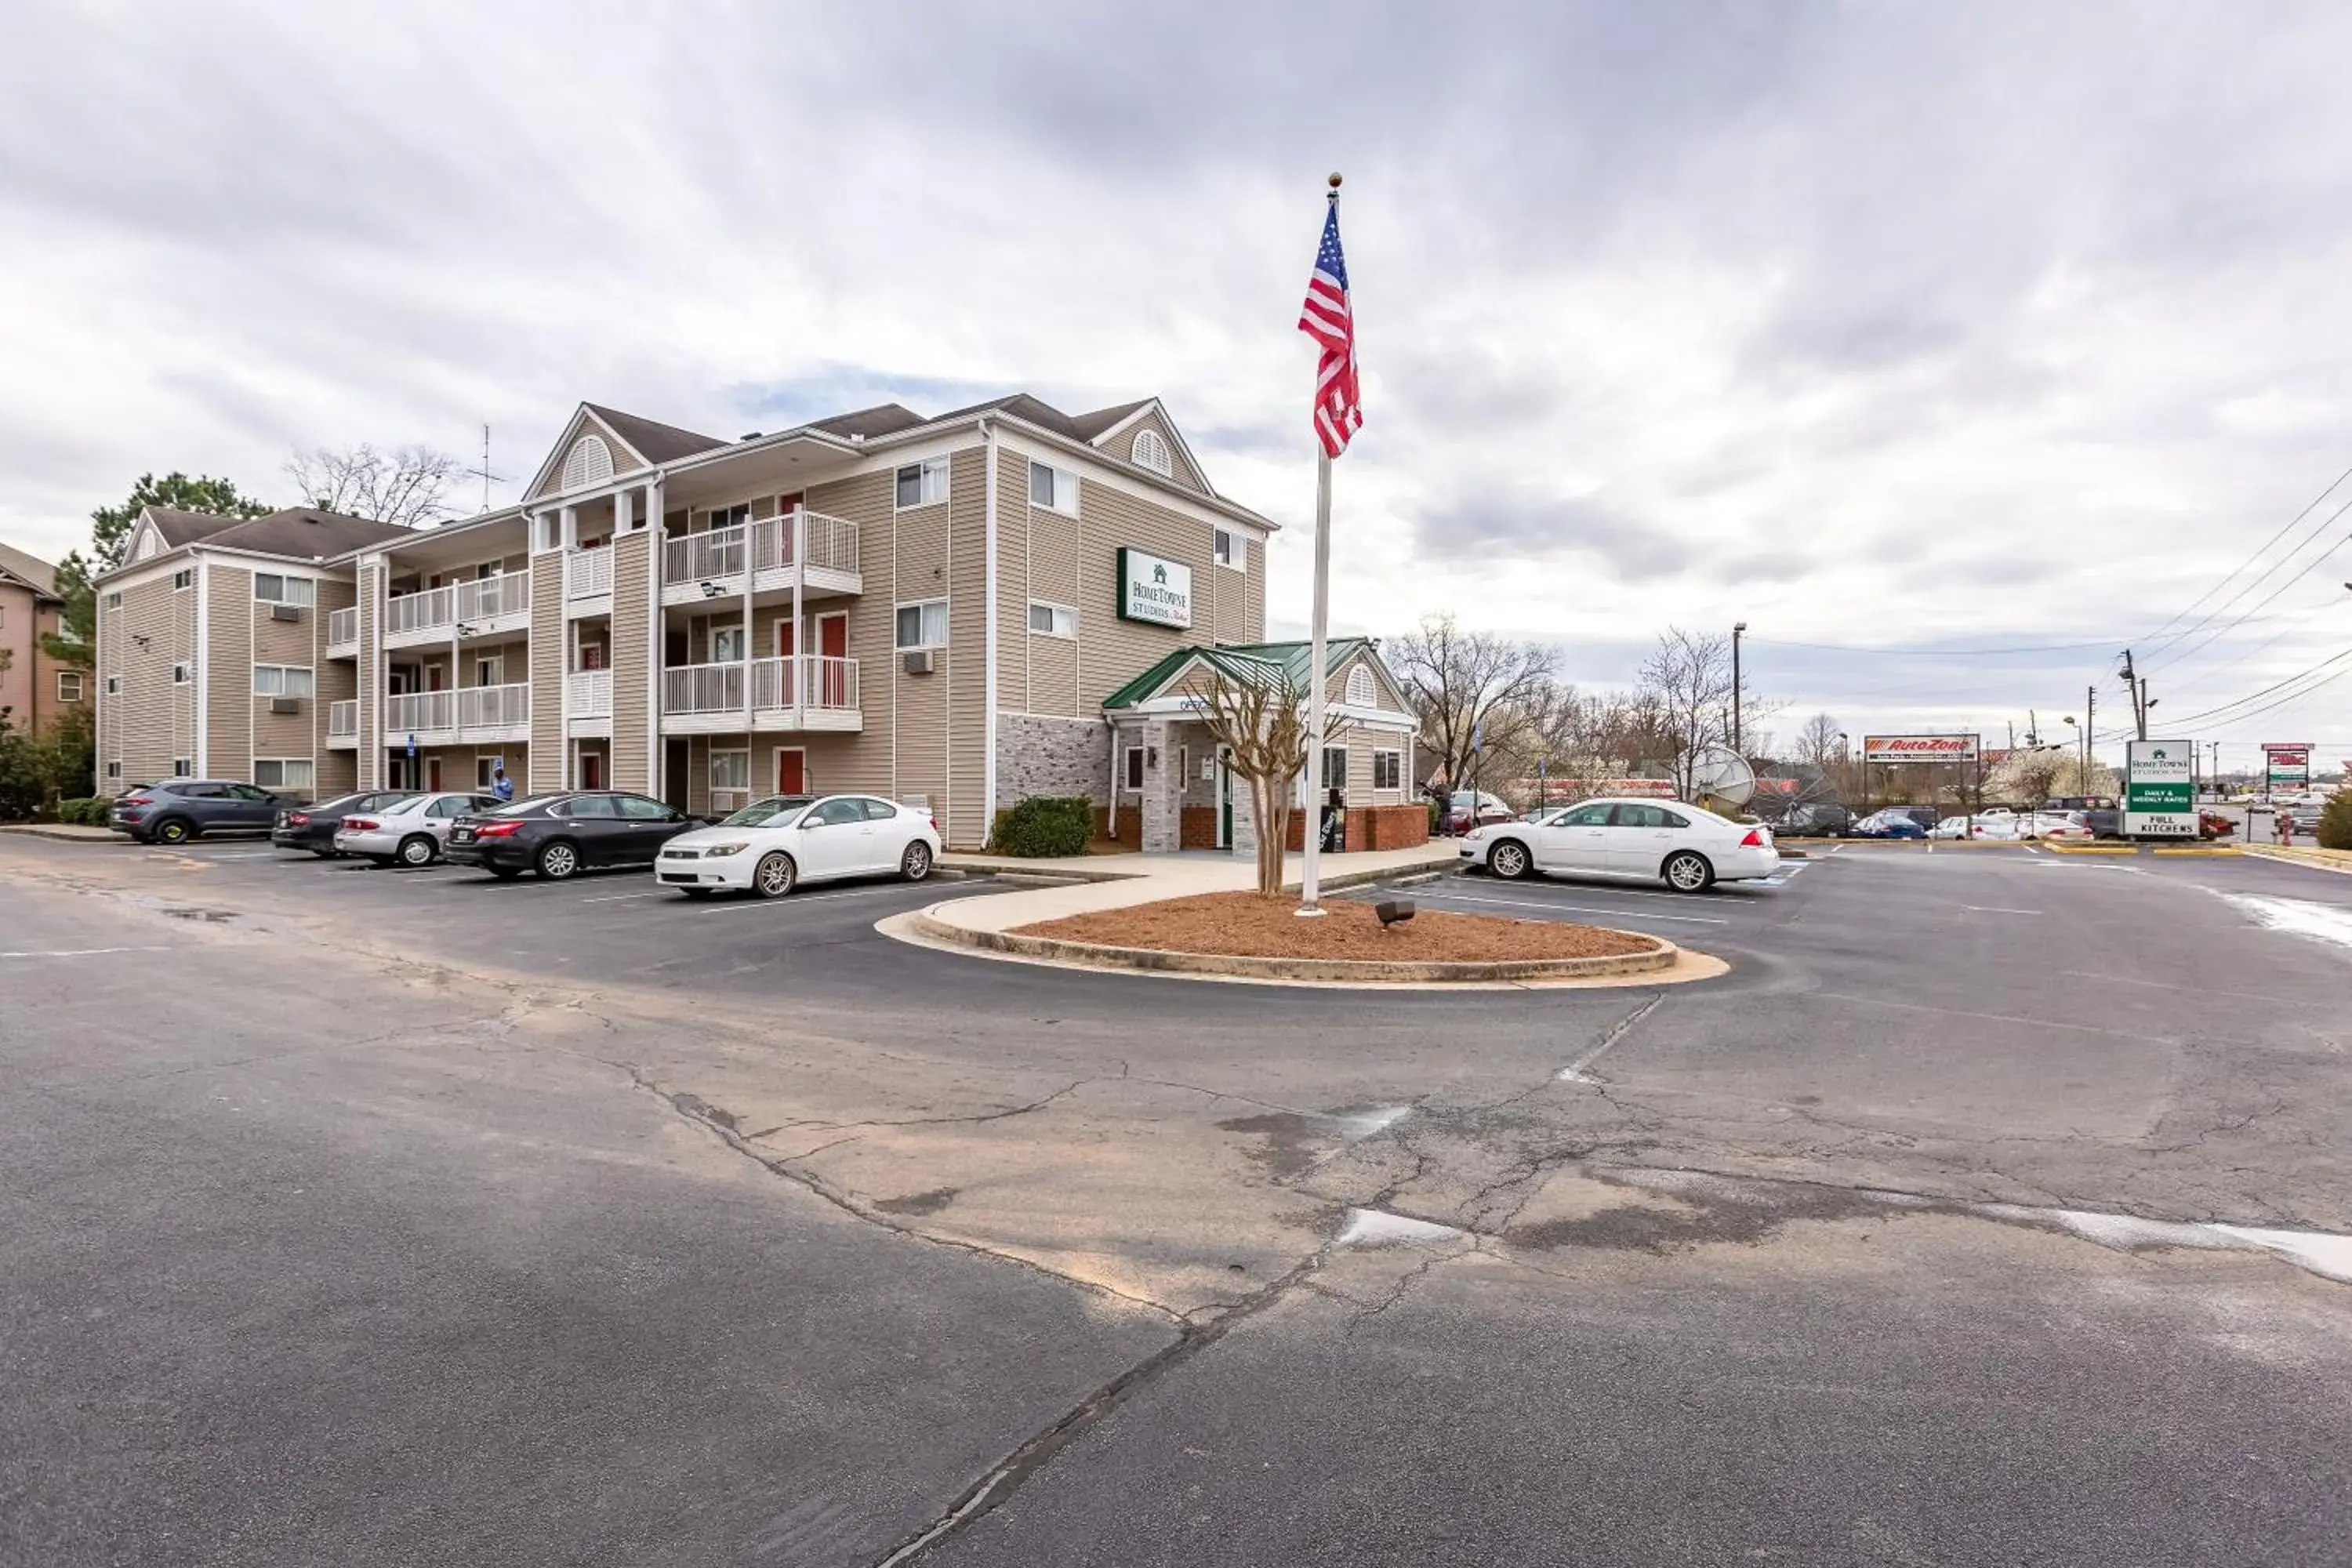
pixel 1154 589
pixel 1919 748
pixel 2287 764
pixel 2159 790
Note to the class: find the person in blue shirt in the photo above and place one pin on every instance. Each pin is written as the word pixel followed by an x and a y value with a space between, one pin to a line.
pixel 501 785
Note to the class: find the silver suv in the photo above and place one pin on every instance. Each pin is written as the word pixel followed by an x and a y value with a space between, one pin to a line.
pixel 172 811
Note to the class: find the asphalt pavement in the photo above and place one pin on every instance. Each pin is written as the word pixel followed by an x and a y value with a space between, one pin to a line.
pixel 375 1217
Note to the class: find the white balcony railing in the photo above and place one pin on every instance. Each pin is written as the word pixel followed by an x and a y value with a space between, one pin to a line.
pixel 832 683
pixel 343 630
pixel 587 573
pixel 343 721
pixel 425 612
pixel 588 694
pixel 761 546
pixel 468 708
pixel 507 594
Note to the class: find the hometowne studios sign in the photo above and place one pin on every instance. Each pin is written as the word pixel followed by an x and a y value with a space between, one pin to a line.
pixel 1153 588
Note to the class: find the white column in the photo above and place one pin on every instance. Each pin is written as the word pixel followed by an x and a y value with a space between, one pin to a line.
pixel 654 783
pixel 987 661
pixel 798 670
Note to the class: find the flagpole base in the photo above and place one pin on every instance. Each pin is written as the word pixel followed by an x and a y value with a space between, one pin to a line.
pixel 1309 911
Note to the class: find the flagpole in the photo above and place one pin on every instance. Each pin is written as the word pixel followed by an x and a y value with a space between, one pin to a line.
pixel 1310 832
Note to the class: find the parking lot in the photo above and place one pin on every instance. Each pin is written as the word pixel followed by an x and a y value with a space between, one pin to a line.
pixel 736 1231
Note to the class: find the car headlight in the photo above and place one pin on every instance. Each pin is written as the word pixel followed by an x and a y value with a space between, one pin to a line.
pixel 1479 833
pixel 720 851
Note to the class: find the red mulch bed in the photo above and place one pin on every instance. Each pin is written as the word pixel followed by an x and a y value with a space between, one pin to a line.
pixel 1246 925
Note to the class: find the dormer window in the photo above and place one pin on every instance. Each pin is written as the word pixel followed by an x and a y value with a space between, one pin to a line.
pixel 590 462
pixel 1150 451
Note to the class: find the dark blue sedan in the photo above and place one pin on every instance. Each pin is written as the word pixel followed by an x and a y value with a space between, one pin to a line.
pixel 1888 824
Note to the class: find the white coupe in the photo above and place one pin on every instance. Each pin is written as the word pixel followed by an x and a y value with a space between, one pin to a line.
pixel 1685 847
pixel 773 845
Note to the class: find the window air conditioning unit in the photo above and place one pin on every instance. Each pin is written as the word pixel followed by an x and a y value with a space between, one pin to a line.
pixel 285 705
pixel 285 611
pixel 916 663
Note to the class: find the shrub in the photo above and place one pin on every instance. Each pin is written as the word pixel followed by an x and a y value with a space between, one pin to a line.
pixel 1044 826
pixel 2336 821
pixel 88 812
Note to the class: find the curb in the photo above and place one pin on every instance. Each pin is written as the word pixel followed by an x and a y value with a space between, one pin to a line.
pixel 2294 855
pixel 1374 971
pixel 2090 849
pixel 66 832
pixel 2203 849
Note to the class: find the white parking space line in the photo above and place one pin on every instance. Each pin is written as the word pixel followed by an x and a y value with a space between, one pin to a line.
pixel 620 898
pixel 791 900
pixel 1577 909
pixel 1995 910
pixel 82 952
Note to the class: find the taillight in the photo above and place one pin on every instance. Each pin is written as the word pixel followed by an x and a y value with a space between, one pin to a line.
pixel 137 800
pixel 298 819
pixel 497 830
pixel 358 824
pixel 1755 839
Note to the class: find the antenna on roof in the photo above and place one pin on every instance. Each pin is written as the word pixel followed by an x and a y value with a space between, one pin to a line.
pixel 483 473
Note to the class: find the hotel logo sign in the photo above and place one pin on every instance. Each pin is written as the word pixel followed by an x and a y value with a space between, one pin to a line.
pixel 1154 589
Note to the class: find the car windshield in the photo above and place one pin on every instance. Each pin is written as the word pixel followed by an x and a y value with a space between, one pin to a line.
pixel 776 811
pixel 517 807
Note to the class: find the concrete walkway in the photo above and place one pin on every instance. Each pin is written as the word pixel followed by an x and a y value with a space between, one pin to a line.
pixel 1115 882
pixel 65 832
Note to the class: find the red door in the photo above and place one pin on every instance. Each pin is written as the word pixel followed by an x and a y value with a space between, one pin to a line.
pixel 832 642
pixel 792 772
pixel 433 773
pixel 591 770
pixel 785 507
pixel 433 678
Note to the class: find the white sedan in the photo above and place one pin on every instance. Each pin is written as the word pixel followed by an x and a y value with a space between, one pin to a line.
pixel 1687 847
pixel 773 845
pixel 411 832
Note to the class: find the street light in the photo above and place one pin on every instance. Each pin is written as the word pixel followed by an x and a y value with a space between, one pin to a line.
pixel 2083 736
pixel 1739 629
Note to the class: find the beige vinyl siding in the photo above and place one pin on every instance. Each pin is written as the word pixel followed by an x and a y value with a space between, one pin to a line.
pixel 864 761
pixel 1013 523
pixel 336 680
pixel 1122 447
pixel 917 570
pixel 1238 601
pixel 1050 566
pixel 368 588
pixel 297 642
pixel 632 652
pixel 150 722
pixel 228 695
pixel 546 642
pixel 964 823
pixel 1112 651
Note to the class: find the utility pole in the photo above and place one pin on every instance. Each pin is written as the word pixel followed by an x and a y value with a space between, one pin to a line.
pixel 1739 629
pixel 2090 722
pixel 2135 689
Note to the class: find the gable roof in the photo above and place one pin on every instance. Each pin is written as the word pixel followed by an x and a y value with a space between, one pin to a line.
pixel 1261 663
pixel 884 419
pixel 34 573
pixel 653 441
pixel 176 527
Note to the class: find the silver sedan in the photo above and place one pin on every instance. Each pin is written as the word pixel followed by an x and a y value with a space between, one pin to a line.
pixel 412 832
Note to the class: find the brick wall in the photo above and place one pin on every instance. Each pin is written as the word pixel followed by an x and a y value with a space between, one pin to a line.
pixel 1375 827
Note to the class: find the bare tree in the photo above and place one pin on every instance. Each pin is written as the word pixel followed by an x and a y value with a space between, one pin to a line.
pixel 1467 686
pixel 1820 742
pixel 1259 715
pixel 404 485
pixel 1686 680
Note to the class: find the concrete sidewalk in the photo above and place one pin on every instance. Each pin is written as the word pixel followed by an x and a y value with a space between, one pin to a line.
pixel 65 832
pixel 1115 882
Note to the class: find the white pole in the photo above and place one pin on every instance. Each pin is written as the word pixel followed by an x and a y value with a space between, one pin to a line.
pixel 1310 834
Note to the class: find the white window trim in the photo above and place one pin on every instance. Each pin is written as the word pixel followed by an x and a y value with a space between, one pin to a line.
pixel 74 675
pixel 1059 477
pixel 741 755
pixel 114 686
pixel 281 764
pixel 307 599
pixel 1371 688
pixel 918 605
pixel 113 599
pixel 183 579
pixel 114 768
pixel 1133 756
pixel 283 670
pixel 1149 451
pixel 1397 756
pixel 183 768
pixel 927 466
pixel 1069 610
pixel 578 460
pixel 182 674
pixel 1230 547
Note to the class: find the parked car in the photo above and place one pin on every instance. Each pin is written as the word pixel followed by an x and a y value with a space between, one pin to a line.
pixel 312 827
pixel 1465 809
pixel 172 811
pixel 2103 815
pixel 1894 821
pixel 1814 822
pixel 411 829
pixel 2057 826
pixel 1688 848
pixel 1957 827
pixel 773 845
pixel 561 835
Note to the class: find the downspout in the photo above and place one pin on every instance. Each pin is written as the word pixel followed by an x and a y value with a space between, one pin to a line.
pixel 201 657
pixel 657 548
pixel 987 716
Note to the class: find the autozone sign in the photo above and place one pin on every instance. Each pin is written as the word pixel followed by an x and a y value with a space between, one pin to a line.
pixel 2287 761
pixel 1919 748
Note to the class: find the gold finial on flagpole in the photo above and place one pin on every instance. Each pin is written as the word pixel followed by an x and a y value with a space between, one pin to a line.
pixel 1335 187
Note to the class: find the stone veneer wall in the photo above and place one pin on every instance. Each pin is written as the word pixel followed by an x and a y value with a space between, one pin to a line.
pixel 1041 755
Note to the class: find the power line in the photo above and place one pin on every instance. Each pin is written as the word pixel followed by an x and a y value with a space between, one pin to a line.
pixel 2209 714
pixel 2309 506
pixel 2177 653
pixel 1936 652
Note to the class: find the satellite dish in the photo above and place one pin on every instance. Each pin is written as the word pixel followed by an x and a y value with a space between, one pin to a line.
pixel 1721 772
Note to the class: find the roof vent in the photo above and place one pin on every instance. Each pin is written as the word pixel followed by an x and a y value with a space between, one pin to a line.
pixel 749 436
pixel 857 437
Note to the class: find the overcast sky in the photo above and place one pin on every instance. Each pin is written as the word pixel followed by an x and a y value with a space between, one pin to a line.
pixel 1891 325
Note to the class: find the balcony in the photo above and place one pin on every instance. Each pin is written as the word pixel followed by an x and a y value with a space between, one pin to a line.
pixel 470 714
pixel 343 635
pixel 344 724
pixel 588 582
pixel 588 703
pixel 809 692
pixel 486 607
pixel 698 566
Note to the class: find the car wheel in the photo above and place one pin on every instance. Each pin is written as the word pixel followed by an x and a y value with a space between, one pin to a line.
pixel 775 875
pixel 559 861
pixel 916 863
pixel 418 850
pixel 1510 860
pixel 505 873
pixel 1686 872
pixel 172 830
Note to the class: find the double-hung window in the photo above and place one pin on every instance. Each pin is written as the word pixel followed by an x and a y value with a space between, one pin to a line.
pixel 70 686
pixel 730 770
pixel 1335 767
pixel 924 624
pixel 278 590
pixel 1231 549
pixel 1134 768
pixel 291 773
pixel 1056 490
pixel 185 577
pixel 726 644
pixel 923 484
pixel 114 599
pixel 1388 770
pixel 280 681
pixel 1053 620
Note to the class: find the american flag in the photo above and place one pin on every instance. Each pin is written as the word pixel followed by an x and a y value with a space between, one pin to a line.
pixel 1326 318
